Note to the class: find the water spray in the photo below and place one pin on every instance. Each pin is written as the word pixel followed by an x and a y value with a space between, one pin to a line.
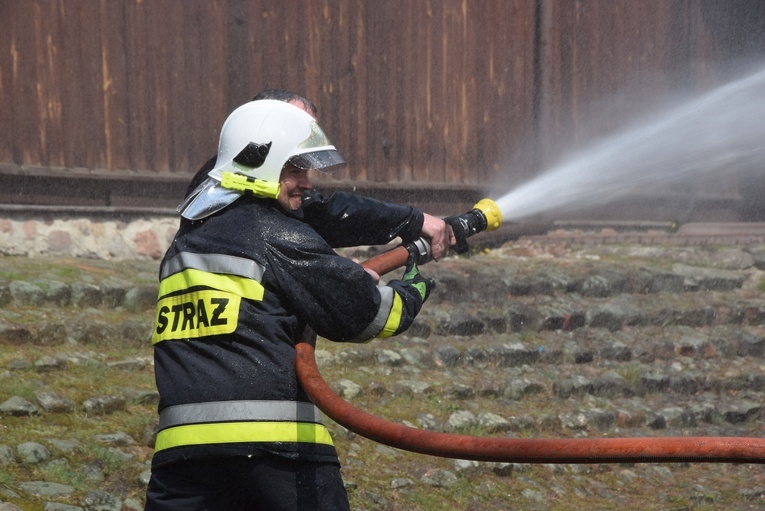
pixel 704 136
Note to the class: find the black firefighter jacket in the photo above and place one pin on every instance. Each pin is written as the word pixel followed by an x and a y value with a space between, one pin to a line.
pixel 236 290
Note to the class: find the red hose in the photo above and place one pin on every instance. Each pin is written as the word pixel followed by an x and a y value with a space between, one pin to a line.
pixel 513 450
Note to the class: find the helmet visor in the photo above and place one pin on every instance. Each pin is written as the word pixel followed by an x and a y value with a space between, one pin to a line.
pixel 328 160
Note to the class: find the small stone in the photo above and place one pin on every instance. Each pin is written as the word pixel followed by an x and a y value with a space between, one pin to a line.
pixel 140 298
pixel 32 452
pixel 459 391
pixel 147 244
pixel 26 294
pixel 388 358
pixel 427 421
pixel 401 482
pixel 18 406
pixel 93 472
pixel 493 423
pixel 417 357
pixel 48 363
pixel 54 403
pixel 113 291
pixel 7 506
pixel 413 387
pixel 58 293
pixel 129 364
pixel 347 388
pixel 466 466
pixel 14 335
pixel 439 478
pixel 19 364
pixel 57 506
pixel 85 295
pixel 101 501
pixel 462 419
pixel 59 242
pixel 702 496
pixel 131 504
pixel 46 489
pixel 143 478
pixel 64 445
pixel 502 469
pixel 120 438
pixel 6 455
pixel 103 405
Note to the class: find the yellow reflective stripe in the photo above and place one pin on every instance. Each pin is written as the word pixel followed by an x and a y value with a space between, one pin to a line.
pixel 238 432
pixel 246 288
pixel 394 318
pixel 194 315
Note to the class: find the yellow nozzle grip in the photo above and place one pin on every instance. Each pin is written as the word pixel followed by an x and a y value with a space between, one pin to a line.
pixel 491 211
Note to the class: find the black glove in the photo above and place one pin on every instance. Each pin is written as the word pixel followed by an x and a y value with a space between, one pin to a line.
pixel 414 278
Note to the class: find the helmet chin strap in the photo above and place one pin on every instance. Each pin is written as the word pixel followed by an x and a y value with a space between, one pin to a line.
pixel 247 184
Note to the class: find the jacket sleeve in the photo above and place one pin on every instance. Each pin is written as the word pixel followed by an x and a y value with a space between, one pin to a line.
pixel 347 220
pixel 336 297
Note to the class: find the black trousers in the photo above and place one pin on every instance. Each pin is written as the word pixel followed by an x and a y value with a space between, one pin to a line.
pixel 266 483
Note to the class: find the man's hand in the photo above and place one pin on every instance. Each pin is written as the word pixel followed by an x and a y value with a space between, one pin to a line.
pixel 374 275
pixel 370 271
pixel 440 235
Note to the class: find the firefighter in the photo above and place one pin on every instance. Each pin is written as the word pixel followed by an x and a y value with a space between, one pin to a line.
pixel 252 265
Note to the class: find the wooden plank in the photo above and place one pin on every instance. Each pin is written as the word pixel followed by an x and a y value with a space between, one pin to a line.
pixel 7 77
pixel 114 85
pixel 173 81
pixel 49 93
pixel 7 72
pixel 82 115
pixel 505 99
pixel 205 100
pixel 164 39
pixel 26 124
pixel 139 98
pixel 242 22
pixel 379 86
pixel 400 134
pixel 436 97
pixel 330 75
pixel 352 102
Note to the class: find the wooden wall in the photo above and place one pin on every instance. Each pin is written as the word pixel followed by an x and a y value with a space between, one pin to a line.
pixel 440 93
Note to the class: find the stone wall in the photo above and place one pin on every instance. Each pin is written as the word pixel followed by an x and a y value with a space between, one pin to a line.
pixel 109 238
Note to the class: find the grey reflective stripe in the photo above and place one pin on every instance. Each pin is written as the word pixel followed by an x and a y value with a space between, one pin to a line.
pixel 213 263
pixel 231 411
pixel 377 324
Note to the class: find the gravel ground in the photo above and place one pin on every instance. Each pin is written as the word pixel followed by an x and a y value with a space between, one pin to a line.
pixel 532 339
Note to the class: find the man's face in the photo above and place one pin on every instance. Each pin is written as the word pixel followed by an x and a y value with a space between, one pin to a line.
pixel 293 182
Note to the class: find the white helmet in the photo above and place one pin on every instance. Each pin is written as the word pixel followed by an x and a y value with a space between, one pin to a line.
pixel 256 141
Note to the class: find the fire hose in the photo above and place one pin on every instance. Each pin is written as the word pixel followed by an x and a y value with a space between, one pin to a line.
pixel 486 216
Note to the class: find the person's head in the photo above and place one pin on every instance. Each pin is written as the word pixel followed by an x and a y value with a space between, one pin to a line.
pixel 288 97
pixel 279 95
pixel 266 148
